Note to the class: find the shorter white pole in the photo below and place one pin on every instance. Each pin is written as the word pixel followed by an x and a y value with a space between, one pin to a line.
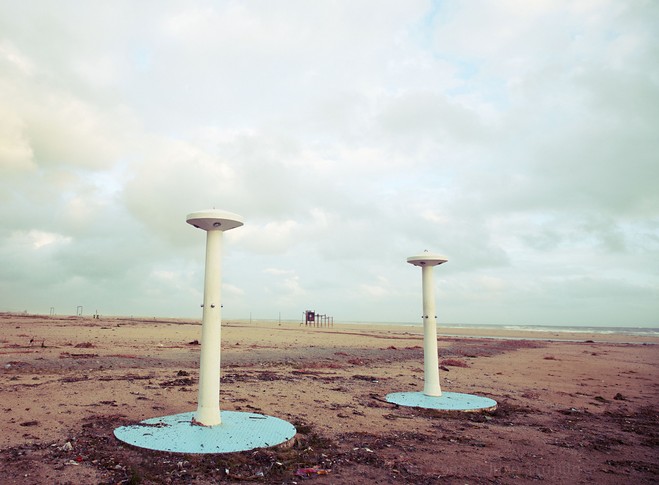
pixel 427 261
pixel 431 385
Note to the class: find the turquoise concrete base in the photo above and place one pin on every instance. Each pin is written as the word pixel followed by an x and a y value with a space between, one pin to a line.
pixel 238 432
pixel 448 401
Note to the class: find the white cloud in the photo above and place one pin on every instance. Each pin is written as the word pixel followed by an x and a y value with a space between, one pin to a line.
pixel 9 54
pixel 37 239
pixel 515 137
pixel 16 154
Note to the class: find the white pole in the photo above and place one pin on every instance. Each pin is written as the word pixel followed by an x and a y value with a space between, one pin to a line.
pixel 208 410
pixel 431 385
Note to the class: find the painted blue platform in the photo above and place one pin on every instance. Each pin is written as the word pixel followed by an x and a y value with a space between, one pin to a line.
pixel 239 431
pixel 448 401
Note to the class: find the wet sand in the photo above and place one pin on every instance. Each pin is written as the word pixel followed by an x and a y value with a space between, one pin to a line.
pixel 574 408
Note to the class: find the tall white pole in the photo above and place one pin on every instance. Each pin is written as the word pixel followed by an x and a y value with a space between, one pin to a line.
pixel 214 222
pixel 431 385
pixel 205 431
pixel 208 408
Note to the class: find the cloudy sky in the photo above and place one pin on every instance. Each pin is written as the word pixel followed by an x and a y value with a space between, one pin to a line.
pixel 519 139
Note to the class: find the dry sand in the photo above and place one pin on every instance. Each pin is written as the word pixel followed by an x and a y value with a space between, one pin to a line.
pixel 570 410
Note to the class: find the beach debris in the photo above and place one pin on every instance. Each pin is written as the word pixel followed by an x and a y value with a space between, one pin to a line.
pixel 530 394
pixel 367 450
pixel 377 398
pixel 194 342
pixel 67 446
pixel 268 376
pixel 244 476
pixel 391 417
pixel 75 378
pixel 29 423
pixel 570 411
pixel 84 345
pixel 365 378
pixel 185 381
pixel 310 471
pixel 69 355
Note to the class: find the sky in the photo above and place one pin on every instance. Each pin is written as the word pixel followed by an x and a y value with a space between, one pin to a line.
pixel 518 139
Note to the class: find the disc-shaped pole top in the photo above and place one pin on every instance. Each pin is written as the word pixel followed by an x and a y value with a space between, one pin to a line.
pixel 426 259
pixel 214 220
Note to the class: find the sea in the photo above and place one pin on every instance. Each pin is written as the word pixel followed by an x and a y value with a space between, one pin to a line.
pixel 604 330
pixel 636 331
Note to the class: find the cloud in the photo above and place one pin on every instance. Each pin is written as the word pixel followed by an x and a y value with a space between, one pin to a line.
pixel 517 138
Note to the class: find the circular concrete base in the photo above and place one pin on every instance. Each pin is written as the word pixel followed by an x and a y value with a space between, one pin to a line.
pixel 237 432
pixel 448 401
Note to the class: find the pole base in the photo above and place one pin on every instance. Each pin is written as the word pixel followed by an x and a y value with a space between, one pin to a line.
pixel 179 434
pixel 448 401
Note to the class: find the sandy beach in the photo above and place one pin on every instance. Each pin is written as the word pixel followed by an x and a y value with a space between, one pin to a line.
pixel 573 408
